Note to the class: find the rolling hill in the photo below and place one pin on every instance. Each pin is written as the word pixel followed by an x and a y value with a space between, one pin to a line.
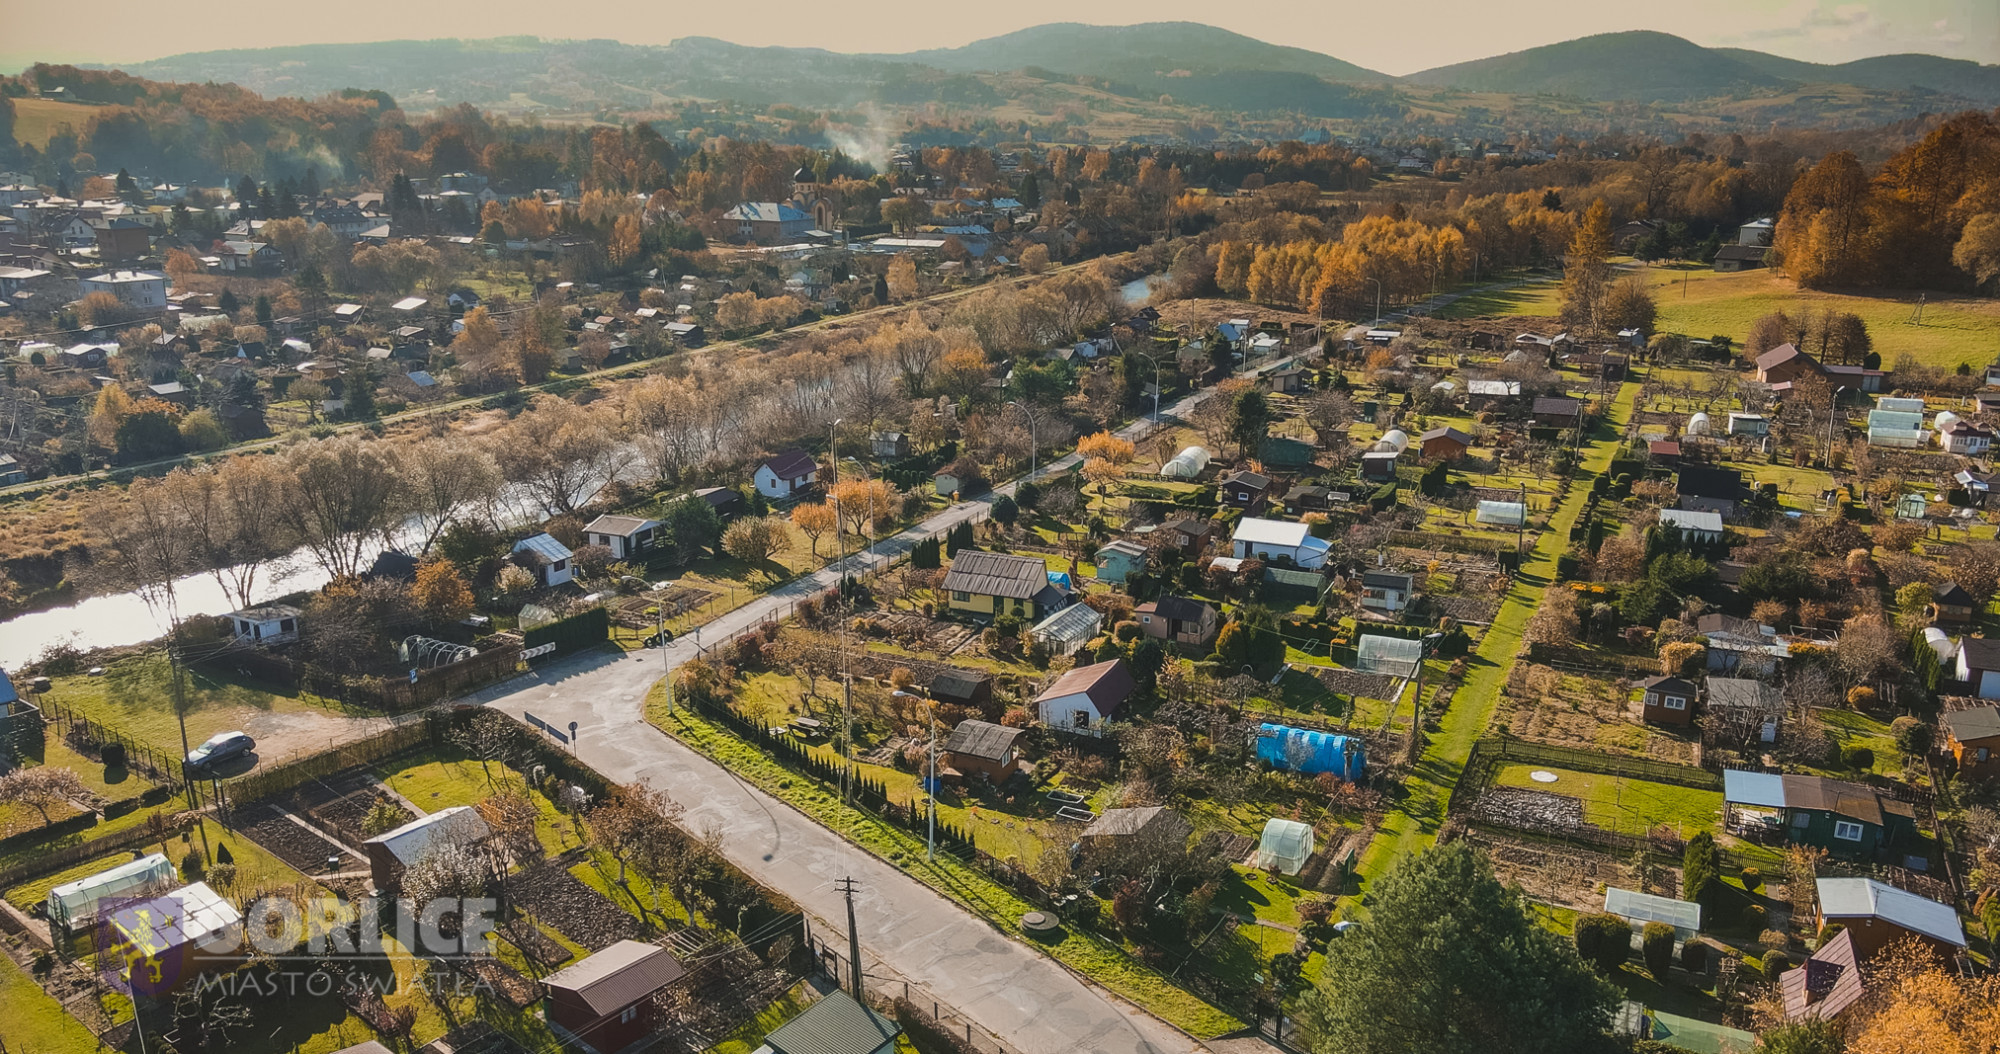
pixel 1145 52
pixel 1635 66
pixel 1956 77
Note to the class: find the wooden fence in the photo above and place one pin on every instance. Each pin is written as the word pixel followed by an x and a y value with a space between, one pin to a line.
pixel 49 861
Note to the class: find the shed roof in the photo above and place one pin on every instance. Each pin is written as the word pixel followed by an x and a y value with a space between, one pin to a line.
pixel 1691 520
pixel 1259 531
pixel 412 841
pixel 618 976
pixel 956 684
pixel 1169 606
pixel 1121 822
pixel 982 739
pixel 997 574
pixel 791 464
pixel 1744 693
pixel 1868 898
pixel 544 548
pixel 622 526
pixel 1765 789
pixel 1105 684
pixel 1980 722
pixel 836 1024
pixel 1559 405
pixel 1447 432
pixel 1828 982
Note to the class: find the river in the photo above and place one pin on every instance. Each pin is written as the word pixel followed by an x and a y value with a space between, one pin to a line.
pixel 1139 290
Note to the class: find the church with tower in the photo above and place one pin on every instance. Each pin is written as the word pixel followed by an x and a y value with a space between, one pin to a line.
pixel 785 222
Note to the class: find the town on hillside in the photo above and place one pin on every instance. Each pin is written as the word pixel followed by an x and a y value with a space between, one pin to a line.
pixel 473 584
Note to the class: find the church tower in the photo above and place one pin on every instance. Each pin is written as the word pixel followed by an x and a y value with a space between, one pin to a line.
pixel 808 198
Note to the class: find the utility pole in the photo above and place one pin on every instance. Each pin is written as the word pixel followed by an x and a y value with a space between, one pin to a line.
pixel 846 887
pixel 180 714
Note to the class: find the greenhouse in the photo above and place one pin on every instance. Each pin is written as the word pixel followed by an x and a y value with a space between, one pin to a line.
pixel 1641 908
pixel 1285 847
pixel 1304 750
pixel 1501 514
pixel 74 903
pixel 1395 656
pixel 1897 428
pixel 1068 629
pixel 1187 464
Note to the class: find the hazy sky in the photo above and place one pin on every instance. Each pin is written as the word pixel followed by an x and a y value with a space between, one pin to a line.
pixel 1398 36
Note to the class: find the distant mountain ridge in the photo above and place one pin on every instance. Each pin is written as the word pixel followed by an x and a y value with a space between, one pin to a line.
pixel 1192 63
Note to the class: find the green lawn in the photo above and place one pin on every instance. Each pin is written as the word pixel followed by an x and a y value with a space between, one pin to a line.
pixel 436 780
pixel 134 696
pixel 1102 962
pixel 1628 806
pixel 36 1023
pixel 256 869
pixel 1413 822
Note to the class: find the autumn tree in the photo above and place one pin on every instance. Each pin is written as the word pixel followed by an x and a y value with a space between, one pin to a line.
pixel 1108 446
pixel 861 502
pixel 902 278
pixel 1587 271
pixel 756 539
pixel 559 452
pixel 814 519
pixel 337 494
pixel 441 592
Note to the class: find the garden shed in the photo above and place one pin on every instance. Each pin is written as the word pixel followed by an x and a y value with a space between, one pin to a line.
pixel 1285 846
pixel 76 902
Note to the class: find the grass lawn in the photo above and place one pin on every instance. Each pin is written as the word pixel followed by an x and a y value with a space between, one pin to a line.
pixel 256 869
pixel 1102 962
pixel 1628 806
pixel 135 697
pixel 35 120
pixel 35 1021
pixel 436 780
pixel 1853 729
pixel 1413 822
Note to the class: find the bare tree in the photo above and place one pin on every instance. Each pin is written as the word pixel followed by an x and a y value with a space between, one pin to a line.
pixel 338 494
pixel 42 788
pixel 559 452
pixel 443 478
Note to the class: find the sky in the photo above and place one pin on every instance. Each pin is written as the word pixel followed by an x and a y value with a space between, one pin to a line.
pixel 1396 37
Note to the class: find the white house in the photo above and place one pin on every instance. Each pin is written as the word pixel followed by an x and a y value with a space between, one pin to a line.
pixel 1276 539
pixel 625 536
pixel 1964 437
pixel 785 475
pixel 1387 590
pixel 132 288
pixel 1979 666
pixel 269 624
pixel 547 558
pixel 1083 699
pixel 1704 527
pixel 1756 232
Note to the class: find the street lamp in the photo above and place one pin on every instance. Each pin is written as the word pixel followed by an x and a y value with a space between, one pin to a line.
pixel 1034 443
pixel 1378 300
pixel 1150 357
pixel 660 640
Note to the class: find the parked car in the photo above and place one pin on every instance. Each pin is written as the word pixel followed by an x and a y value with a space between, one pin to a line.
pixel 220 747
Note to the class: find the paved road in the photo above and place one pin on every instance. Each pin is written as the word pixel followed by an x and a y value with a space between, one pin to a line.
pixel 1019 995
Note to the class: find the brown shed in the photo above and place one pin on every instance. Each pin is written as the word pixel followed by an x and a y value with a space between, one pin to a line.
pixel 1668 700
pixel 606 999
pixel 984 749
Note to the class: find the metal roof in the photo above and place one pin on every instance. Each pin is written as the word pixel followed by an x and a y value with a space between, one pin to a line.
pixel 1690 520
pixel 1259 531
pixel 410 842
pixel 1684 916
pixel 1868 898
pixel 836 1024
pixel 1119 822
pixel 622 526
pixel 618 976
pixel 997 574
pixel 1766 789
pixel 545 547
pixel 982 739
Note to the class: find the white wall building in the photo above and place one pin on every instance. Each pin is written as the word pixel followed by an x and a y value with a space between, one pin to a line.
pixel 132 288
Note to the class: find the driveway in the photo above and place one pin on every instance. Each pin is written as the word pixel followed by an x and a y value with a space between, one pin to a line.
pixel 1022 997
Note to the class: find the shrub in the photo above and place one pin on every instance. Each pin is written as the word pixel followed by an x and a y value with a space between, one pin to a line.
pixel 1753 879
pixel 1913 736
pixel 1858 757
pixel 192 865
pixel 1861 697
pixel 1694 956
pixel 1700 869
pixel 1126 632
pixel 1775 962
pixel 1656 946
pixel 1751 918
pixel 223 856
pixel 1604 940
pixel 113 755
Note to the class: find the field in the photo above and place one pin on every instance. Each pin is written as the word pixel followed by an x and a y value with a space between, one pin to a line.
pixel 35 120
pixel 1628 806
pixel 135 697
pixel 1700 303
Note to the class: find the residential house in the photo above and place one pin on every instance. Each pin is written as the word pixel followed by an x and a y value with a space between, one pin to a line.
pixel 1877 915
pixel 1699 527
pixel 1850 819
pixel 1786 363
pixel 1188 536
pixel 549 559
pixel 1979 665
pixel 1951 606
pixel 140 289
pixel 1151 829
pixel 1119 561
pixel 248 257
pixel 1179 620
pixel 392 853
pixel 889 444
pixel 768 222
pixel 962 687
pixel 1277 541
pixel 606 999
pixel 1668 701
pixel 1556 411
pixel 1445 444
pixel 787 474
pixel 983 750
pixel 1732 258
pixel 122 238
pixel 837 1024
pixel 985 584
pixel 11 471
pixel 1086 697
pixel 1972 738
pixel 1964 437
pixel 1245 490
pixel 270 624
pixel 1827 984
pixel 625 536
pixel 1704 489
pixel 1387 591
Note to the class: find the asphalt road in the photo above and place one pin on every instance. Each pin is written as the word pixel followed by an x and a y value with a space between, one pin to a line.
pixel 1022 997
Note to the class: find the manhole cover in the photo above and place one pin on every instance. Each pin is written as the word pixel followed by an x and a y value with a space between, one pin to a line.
pixel 1542 776
pixel 1038 922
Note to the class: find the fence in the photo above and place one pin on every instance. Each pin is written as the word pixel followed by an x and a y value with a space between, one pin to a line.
pixel 496 661
pixel 162 768
pixel 311 765
pixel 49 861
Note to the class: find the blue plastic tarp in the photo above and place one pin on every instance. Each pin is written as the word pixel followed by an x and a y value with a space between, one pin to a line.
pixel 1304 750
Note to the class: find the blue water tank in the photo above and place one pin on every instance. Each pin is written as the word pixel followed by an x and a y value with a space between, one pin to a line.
pixel 1304 750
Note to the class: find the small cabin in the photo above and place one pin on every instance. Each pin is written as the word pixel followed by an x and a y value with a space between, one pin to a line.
pixel 270 624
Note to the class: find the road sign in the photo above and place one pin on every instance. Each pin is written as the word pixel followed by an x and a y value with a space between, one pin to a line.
pixel 539 650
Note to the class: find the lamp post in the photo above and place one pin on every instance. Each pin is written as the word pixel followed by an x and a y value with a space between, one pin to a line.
pixel 1150 357
pixel 1034 443
pixel 660 640
pixel 1378 300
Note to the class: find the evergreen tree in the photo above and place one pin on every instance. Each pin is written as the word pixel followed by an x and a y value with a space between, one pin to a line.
pixel 1030 192
pixel 1249 421
pixel 128 188
pixel 246 195
pixel 264 313
pixel 310 185
pixel 227 303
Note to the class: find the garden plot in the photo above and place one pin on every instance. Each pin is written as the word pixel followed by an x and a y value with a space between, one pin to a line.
pixel 1627 805
pixel 1529 810
pixel 924 633
pixel 270 827
pixel 634 612
pixel 1597 713
pixel 1566 875
pixel 577 911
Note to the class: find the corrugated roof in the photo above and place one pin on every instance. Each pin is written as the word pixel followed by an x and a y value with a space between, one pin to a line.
pixel 410 842
pixel 621 526
pixel 618 976
pixel 1981 722
pixel 1690 520
pixel 1868 898
pixel 982 739
pixel 1829 982
pixel 836 1024
pixel 1122 822
pixel 544 547
pixel 1764 789
pixel 1259 531
pixel 1106 684
pixel 997 575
